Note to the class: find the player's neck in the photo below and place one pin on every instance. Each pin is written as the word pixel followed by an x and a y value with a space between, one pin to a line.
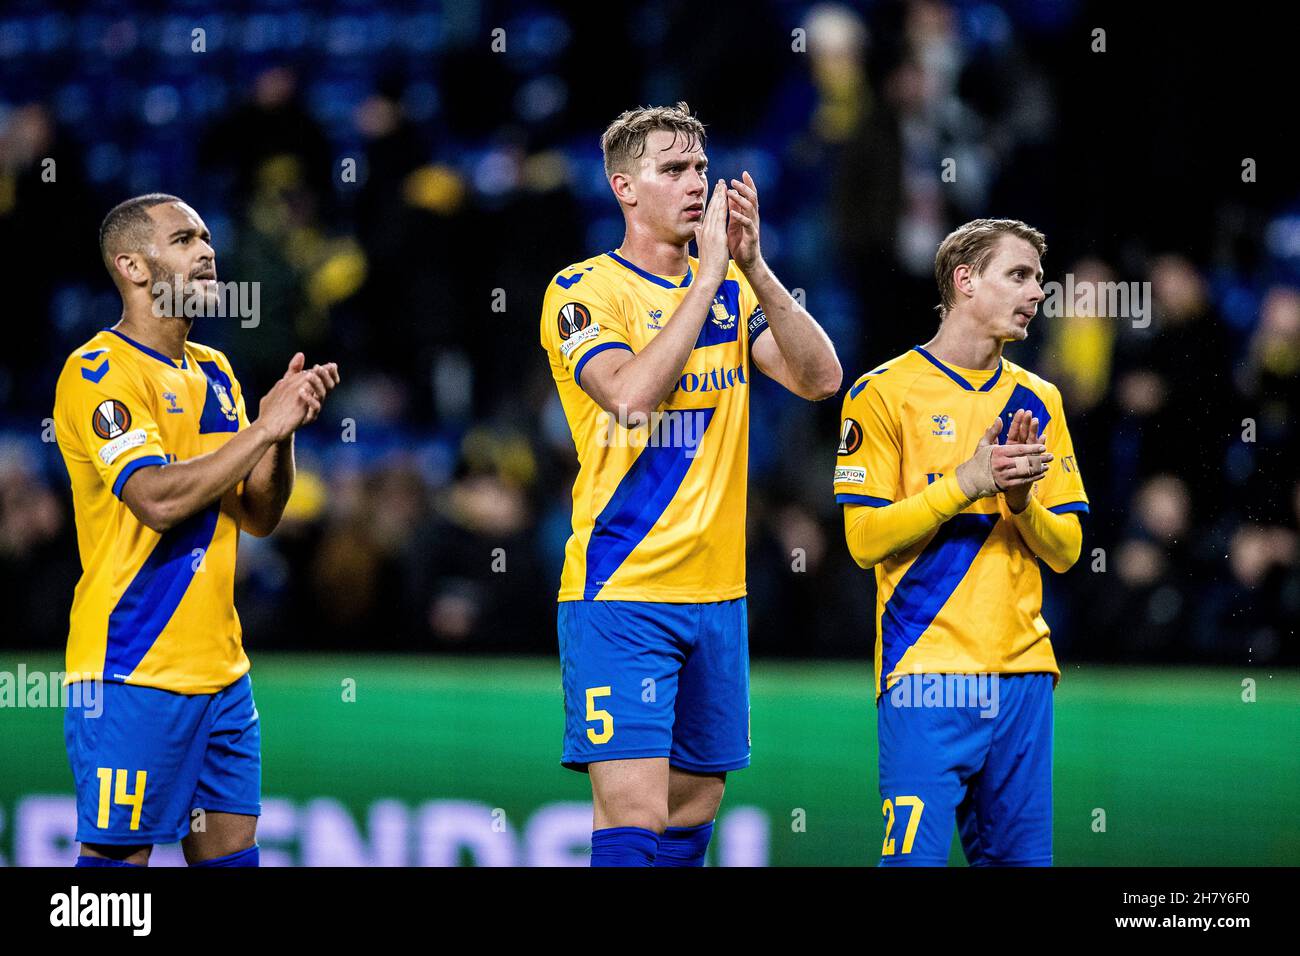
pixel 165 333
pixel 654 255
pixel 958 343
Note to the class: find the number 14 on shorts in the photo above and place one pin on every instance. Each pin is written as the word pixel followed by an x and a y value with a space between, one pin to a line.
pixel 913 823
pixel 120 795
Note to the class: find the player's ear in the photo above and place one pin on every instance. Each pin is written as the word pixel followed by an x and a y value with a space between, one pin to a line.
pixel 130 266
pixel 963 279
pixel 623 188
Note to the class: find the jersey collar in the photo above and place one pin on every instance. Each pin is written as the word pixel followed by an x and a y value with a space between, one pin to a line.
pixel 986 387
pixel 657 280
pixel 148 351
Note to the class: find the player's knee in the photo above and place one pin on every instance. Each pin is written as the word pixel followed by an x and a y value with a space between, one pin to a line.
pixel 694 798
pixel 695 808
pixel 138 854
pixel 212 846
pixel 224 834
pixel 630 808
pixel 247 857
pixel 637 813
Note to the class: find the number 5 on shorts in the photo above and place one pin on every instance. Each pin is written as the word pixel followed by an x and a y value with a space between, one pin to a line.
pixel 133 800
pixel 605 717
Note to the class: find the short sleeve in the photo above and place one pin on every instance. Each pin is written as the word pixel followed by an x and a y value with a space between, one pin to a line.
pixel 1061 489
pixel 580 319
pixel 869 454
pixel 108 422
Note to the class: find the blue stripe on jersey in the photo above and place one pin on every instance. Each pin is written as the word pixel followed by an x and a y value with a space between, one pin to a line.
pixel 565 282
pixel 213 418
pixel 637 503
pixel 132 467
pixel 713 334
pixel 155 592
pixel 868 500
pixel 95 374
pixel 577 369
pixel 986 387
pixel 1022 397
pixel 657 280
pixel 928 583
pixel 945 369
pixel 1070 507
pixel 866 380
pixel 148 351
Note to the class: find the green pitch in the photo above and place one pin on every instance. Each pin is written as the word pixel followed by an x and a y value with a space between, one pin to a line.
pixel 1152 767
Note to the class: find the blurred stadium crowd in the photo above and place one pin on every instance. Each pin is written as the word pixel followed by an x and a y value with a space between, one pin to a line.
pixel 479 177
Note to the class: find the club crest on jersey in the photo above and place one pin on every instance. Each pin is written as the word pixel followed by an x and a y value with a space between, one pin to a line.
pixel 722 318
pixel 223 399
pixel 850 437
pixel 943 426
pixel 110 419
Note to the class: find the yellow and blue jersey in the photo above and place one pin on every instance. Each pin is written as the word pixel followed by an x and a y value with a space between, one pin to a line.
pixel 968 598
pixel 150 609
pixel 658 510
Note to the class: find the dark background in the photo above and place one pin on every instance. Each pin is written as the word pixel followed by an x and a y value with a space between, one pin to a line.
pixel 480 171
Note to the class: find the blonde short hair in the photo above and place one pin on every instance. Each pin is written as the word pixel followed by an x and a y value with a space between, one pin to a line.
pixel 624 140
pixel 972 244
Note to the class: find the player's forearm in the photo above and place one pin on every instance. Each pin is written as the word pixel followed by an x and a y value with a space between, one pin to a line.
pixel 805 346
pixel 644 381
pixel 164 496
pixel 1056 539
pixel 873 534
pixel 267 490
